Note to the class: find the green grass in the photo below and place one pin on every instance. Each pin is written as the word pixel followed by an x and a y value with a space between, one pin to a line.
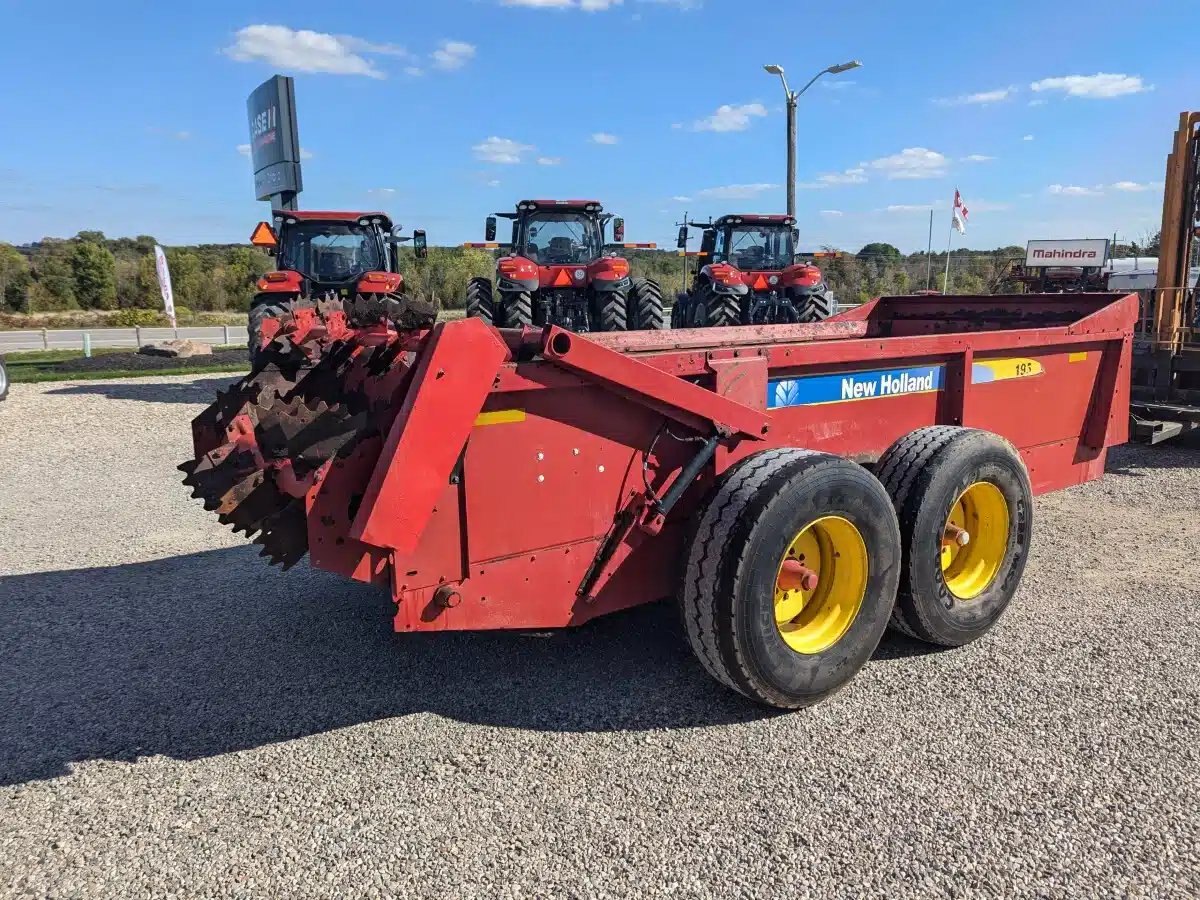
pixel 33 376
pixel 41 357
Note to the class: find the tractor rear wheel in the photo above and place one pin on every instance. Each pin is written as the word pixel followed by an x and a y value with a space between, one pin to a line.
pixel 262 307
pixel 817 306
pixel 480 304
pixel 790 576
pixel 613 312
pixel 679 311
pixel 518 310
pixel 965 508
pixel 646 306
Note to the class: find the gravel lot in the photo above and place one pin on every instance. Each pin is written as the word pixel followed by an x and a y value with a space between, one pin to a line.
pixel 179 719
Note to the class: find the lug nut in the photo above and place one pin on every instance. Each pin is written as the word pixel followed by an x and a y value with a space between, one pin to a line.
pixel 794 574
pixel 956 535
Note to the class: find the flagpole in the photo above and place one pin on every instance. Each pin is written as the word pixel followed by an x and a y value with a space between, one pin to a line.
pixel 949 237
pixel 929 254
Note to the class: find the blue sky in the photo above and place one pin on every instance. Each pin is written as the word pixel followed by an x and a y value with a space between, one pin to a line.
pixel 1052 122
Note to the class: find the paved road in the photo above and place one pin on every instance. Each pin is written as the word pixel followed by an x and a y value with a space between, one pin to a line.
pixel 72 338
pixel 177 718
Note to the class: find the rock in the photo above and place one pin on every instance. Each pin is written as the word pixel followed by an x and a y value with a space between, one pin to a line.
pixel 181 349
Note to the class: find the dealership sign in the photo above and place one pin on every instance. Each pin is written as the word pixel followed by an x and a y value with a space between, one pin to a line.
pixel 274 140
pixel 1076 254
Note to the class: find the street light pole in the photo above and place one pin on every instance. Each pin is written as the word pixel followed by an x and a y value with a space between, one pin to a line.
pixel 792 97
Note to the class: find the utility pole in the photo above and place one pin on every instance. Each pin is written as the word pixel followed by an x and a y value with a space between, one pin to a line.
pixel 792 97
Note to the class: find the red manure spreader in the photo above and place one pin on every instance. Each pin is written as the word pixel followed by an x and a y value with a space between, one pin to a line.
pixel 797 489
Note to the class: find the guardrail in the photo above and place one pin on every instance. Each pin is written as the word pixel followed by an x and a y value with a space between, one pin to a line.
pixel 84 338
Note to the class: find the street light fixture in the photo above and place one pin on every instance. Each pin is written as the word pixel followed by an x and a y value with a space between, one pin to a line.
pixel 792 97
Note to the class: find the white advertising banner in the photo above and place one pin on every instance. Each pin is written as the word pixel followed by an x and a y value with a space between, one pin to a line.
pixel 1077 254
pixel 164 282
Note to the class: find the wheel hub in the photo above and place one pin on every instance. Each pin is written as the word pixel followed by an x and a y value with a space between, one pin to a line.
pixel 820 584
pixel 974 540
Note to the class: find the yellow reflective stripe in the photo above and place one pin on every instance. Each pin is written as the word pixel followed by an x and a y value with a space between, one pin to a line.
pixel 1077 357
pixel 500 417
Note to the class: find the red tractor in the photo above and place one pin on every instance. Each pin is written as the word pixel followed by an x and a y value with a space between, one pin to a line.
pixel 321 256
pixel 751 276
pixel 559 271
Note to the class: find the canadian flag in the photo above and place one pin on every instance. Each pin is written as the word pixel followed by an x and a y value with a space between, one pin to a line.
pixel 960 213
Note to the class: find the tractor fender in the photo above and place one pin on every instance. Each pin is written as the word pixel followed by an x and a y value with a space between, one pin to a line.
pixel 724 279
pixel 515 285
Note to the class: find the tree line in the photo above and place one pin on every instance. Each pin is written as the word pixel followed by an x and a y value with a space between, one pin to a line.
pixel 93 272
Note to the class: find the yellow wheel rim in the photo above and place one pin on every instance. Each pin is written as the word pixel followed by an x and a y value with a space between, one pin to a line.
pixel 820 584
pixel 975 540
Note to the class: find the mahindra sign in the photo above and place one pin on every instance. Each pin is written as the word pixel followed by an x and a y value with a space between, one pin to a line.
pixel 1086 254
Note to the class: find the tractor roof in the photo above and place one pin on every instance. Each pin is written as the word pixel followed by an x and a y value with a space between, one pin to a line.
pixel 586 205
pixel 753 219
pixel 325 215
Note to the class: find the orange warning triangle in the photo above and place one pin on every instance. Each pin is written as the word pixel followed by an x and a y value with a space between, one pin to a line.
pixel 760 283
pixel 262 236
pixel 563 278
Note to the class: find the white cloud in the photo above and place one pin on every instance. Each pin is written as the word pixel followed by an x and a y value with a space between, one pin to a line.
pixel 501 150
pixel 585 5
pixel 381 191
pixel 1074 190
pixel 982 98
pixel 850 176
pixel 832 213
pixel 414 71
pixel 451 55
pixel 679 198
pixel 304 154
pixel 601 137
pixel 304 51
pixel 1133 187
pixel 912 162
pixel 1101 86
pixel 360 45
pixel 495 182
pixel 1028 137
pixel 1037 101
pixel 978 158
pixel 909 207
pixel 549 160
pixel 736 191
pixel 730 118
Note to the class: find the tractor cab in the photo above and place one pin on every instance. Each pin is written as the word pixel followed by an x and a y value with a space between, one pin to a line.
pixel 751 276
pixel 558 270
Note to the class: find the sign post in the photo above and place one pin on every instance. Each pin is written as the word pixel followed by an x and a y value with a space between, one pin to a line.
pixel 164 283
pixel 275 142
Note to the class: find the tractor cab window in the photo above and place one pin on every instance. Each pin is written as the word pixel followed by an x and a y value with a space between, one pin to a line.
pixel 330 251
pixel 755 246
pixel 559 238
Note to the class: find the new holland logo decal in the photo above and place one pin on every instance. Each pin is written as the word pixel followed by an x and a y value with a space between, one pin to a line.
pixel 844 387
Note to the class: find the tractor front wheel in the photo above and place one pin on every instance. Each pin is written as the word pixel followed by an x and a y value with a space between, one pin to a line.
pixel 480 304
pixel 646 306
pixel 713 310
pixel 817 306
pixel 790 576
pixel 965 508
pixel 518 310
pixel 613 312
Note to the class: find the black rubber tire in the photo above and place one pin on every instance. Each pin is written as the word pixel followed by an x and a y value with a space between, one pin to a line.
pixel 817 306
pixel 727 595
pixel 480 303
pixel 613 312
pixel 715 310
pixel 3 380
pixel 679 311
pixel 925 472
pixel 518 309
pixel 265 306
pixel 646 306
